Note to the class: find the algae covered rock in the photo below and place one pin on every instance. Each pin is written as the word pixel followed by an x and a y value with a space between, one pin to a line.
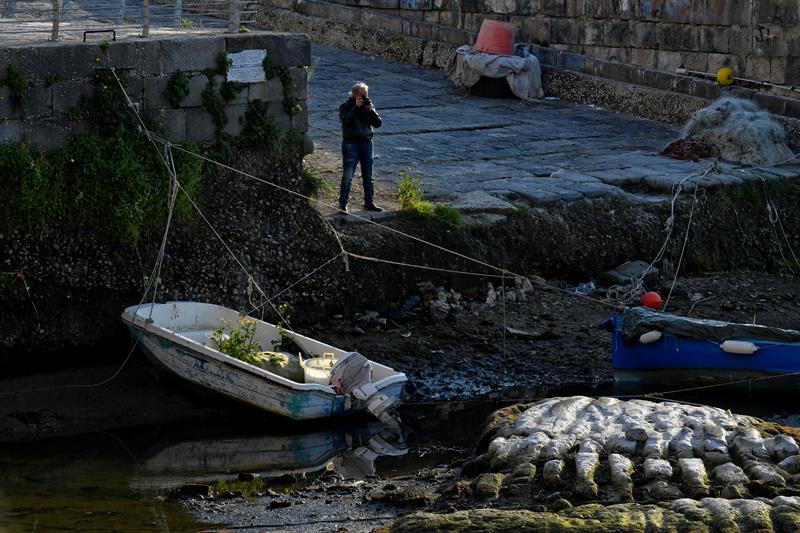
pixel 657 469
pixel 487 486
pixel 709 515
pixel 583 519
pixel 636 450
pixel 729 474
pixel 791 465
pixel 413 496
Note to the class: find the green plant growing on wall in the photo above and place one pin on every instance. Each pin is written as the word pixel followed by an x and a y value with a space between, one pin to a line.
pixel 224 64
pixel 225 148
pixel 312 68
pixel 290 103
pixel 34 195
pixel 409 196
pixel 269 69
pixel 284 74
pixel 186 24
pixel 18 85
pixel 106 109
pixel 259 129
pixel 109 177
pixel 177 89
pixel 291 106
pixel 230 89
pixel 313 184
pixel 51 80
pixel 119 183
pixel 213 103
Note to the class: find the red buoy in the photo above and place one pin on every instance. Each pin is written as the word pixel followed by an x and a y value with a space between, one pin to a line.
pixel 652 300
pixel 496 38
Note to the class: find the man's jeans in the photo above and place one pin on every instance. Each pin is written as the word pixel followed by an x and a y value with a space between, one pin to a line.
pixel 353 153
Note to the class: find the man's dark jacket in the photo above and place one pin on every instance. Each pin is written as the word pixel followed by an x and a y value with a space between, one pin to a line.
pixel 357 122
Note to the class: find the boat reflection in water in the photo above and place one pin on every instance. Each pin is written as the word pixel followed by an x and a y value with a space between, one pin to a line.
pixel 349 451
pixel 103 482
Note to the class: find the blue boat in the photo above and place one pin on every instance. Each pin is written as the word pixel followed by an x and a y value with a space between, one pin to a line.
pixel 651 347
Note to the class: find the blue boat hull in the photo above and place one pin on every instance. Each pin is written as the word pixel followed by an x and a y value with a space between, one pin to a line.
pixel 688 362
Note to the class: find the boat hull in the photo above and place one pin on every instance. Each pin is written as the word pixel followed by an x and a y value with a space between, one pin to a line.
pixel 218 373
pixel 679 362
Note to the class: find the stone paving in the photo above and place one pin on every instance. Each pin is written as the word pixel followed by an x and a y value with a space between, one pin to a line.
pixel 481 152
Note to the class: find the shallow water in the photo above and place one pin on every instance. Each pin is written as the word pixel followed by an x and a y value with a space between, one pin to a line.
pixel 79 484
pixel 118 481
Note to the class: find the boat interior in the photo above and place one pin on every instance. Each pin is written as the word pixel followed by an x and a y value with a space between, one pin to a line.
pixel 198 321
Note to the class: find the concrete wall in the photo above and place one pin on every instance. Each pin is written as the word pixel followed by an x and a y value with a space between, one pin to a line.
pixel 761 38
pixel 60 74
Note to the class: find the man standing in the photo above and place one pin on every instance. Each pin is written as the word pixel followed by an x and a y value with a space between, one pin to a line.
pixel 358 117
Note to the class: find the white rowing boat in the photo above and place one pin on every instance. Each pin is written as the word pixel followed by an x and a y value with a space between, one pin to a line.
pixel 177 336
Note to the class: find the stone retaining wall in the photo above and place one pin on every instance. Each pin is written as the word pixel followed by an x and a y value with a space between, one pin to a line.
pixel 60 74
pixel 63 286
pixel 622 87
pixel 633 42
pixel 758 37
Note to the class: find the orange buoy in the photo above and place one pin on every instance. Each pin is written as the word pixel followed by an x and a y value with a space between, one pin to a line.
pixel 496 38
pixel 652 300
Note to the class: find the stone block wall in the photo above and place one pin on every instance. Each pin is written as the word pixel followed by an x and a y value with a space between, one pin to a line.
pixel 759 38
pixel 60 74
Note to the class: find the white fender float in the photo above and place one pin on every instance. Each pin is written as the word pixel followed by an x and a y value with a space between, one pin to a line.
pixel 739 347
pixel 650 337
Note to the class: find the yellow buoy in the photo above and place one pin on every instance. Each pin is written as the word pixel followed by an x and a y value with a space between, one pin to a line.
pixel 725 76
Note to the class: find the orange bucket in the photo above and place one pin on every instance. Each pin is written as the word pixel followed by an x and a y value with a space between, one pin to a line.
pixel 495 38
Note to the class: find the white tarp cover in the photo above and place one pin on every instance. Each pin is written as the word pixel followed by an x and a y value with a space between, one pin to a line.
pixel 522 72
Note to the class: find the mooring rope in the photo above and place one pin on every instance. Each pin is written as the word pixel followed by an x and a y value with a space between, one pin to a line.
pixel 710 386
pixel 302 279
pixel 686 237
pixel 501 271
pixel 169 164
pixel 633 291
pixel 776 222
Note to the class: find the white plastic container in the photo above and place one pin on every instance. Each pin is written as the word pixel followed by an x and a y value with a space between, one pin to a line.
pixel 318 369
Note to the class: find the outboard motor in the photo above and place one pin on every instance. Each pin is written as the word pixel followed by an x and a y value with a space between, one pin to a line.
pixel 352 375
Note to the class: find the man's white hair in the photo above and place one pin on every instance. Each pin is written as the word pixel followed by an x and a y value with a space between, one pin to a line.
pixel 358 88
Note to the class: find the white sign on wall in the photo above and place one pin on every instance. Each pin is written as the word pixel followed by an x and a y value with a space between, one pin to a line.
pixel 246 66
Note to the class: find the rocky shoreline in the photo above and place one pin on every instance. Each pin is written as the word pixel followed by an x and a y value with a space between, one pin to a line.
pixel 552 348
pixel 583 464
pixel 558 464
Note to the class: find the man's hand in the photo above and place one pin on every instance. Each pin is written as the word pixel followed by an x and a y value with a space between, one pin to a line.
pixel 360 101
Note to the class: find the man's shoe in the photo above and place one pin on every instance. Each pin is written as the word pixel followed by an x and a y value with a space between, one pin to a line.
pixel 343 209
pixel 373 207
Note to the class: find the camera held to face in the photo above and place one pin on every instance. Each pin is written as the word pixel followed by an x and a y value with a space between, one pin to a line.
pixel 365 100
